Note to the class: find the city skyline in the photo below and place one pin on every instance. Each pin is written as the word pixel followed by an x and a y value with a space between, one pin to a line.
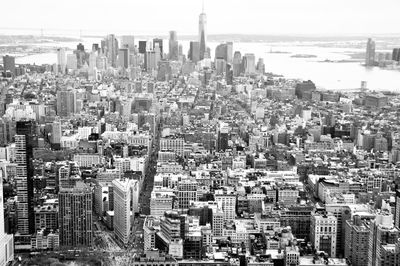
pixel 256 17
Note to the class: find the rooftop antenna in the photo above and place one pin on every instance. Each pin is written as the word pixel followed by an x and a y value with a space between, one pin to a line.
pixel 202 7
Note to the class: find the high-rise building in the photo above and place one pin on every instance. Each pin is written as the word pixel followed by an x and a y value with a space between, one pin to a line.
pixel 187 191
pixel 126 197
pixel 260 66
pixel 202 34
pixel 25 141
pixel 61 60
pixel 237 63
pixel 173 46
pixel 382 232
pixel 229 52
pixel 123 58
pixel 6 240
pixel 9 64
pixel 75 216
pixel 128 41
pixel 194 52
pixel 221 51
pixel 142 47
pixel 150 60
pixel 111 49
pixel 249 63
pixel 159 42
pixel 227 202
pixel 356 241
pixel 323 233
pixel 397 209
pixel 66 103
pixel 370 53
pixel 396 54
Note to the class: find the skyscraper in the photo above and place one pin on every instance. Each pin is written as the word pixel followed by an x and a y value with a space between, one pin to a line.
pixel 126 197
pixel 202 33
pixel 6 241
pixel 111 49
pixel 128 41
pixel 142 47
pixel 150 60
pixel 249 62
pixel 158 42
pixel 123 58
pixel 237 62
pixel 61 60
pixel 173 46
pixel 194 52
pixel 397 210
pixel 370 53
pixel 382 232
pixel 25 141
pixel 75 216
pixel 66 102
pixel 9 64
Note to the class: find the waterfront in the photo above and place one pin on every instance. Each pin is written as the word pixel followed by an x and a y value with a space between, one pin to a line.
pixel 344 75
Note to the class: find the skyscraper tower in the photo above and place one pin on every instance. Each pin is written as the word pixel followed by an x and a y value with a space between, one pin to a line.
pixel 202 33
pixel 25 141
pixel 370 53
pixel 75 216
pixel 173 46
pixel 6 241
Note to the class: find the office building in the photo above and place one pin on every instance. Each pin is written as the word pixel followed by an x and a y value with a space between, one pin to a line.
pixel 150 61
pixel 75 216
pixel 382 232
pixel 159 42
pixel 173 46
pixel 227 203
pixel 396 54
pixel 323 233
pixel 194 52
pixel 397 209
pixel 66 103
pixel 111 49
pixel 249 63
pixel 61 60
pixel 142 47
pixel 6 240
pixel 25 141
pixel 126 198
pixel 128 41
pixel 187 191
pixel 9 64
pixel 356 241
pixel 123 58
pixel 370 53
pixel 237 64
pixel 202 34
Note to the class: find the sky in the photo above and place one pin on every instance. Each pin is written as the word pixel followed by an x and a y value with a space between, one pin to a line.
pixel 151 17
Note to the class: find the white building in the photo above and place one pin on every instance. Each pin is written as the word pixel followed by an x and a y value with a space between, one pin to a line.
pixel 126 197
pixel 227 202
pixel 323 233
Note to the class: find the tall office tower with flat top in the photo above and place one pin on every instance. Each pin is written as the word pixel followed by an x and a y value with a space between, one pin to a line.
pixel 6 241
pixel 66 103
pixel 128 41
pixel 173 46
pixel 75 216
pixel 25 141
pixel 202 33
pixel 158 42
pixel 370 53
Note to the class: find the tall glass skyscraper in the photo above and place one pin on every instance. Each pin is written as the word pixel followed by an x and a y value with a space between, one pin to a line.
pixel 202 33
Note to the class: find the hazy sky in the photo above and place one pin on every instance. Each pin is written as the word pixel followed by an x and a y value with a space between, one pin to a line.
pixel 327 17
